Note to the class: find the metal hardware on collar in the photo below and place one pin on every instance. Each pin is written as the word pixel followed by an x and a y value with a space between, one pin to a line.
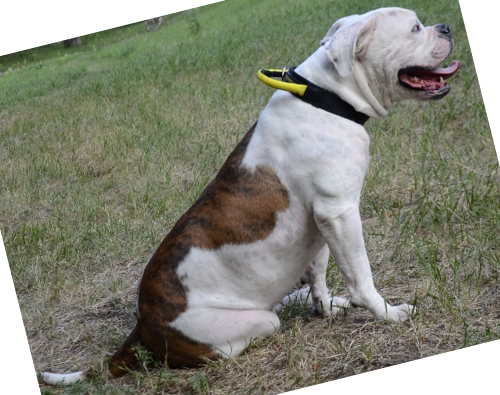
pixel 310 93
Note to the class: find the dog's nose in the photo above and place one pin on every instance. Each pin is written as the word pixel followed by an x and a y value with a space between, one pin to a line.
pixel 444 29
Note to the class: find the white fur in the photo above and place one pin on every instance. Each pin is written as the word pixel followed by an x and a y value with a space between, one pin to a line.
pixel 234 292
pixel 62 379
pixel 322 160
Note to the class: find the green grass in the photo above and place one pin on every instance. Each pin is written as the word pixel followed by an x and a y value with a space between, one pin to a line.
pixel 104 146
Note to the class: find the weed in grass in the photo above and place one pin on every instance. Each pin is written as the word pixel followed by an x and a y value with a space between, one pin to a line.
pixel 193 21
pixel 199 383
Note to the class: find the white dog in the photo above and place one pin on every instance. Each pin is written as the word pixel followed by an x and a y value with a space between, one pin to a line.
pixel 286 197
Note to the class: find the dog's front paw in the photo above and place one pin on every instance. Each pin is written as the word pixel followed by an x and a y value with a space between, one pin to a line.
pixel 337 303
pixel 399 313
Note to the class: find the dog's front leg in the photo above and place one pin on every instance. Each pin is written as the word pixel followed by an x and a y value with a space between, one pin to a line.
pixel 343 233
pixel 316 296
pixel 318 293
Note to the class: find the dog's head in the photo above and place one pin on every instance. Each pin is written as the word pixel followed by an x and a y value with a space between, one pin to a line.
pixel 393 49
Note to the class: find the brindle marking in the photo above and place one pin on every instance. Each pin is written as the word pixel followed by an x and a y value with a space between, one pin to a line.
pixel 237 207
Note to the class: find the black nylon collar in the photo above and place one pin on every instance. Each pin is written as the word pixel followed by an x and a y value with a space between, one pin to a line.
pixel 326 100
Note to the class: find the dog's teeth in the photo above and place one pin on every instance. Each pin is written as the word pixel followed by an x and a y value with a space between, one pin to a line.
pixel 441 80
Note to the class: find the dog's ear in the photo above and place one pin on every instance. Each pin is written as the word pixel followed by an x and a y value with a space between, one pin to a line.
pixel 347 40
pixel 336 26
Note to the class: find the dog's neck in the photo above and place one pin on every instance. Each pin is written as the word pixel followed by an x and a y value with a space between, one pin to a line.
pixel 353 89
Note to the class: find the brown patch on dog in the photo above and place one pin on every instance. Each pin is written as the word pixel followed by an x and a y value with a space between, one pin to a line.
pixel 237 207
pixel 125 357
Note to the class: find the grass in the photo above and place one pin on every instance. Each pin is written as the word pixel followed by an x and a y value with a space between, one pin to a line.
pixel 104 146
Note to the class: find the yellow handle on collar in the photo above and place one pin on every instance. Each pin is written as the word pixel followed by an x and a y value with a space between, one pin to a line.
pixel 292 87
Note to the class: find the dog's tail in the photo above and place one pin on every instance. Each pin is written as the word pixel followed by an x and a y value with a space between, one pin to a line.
pixel 121 362
pixel 63 379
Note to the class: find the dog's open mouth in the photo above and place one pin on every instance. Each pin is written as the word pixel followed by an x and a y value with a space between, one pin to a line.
pixel 432 81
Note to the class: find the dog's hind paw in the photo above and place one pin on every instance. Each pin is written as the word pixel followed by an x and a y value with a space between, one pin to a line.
pixel 303 297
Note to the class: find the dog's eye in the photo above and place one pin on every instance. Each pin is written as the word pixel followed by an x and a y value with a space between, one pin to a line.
pixel 416 28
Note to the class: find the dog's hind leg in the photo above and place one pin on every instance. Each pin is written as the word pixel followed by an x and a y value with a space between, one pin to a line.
pixel 227 331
